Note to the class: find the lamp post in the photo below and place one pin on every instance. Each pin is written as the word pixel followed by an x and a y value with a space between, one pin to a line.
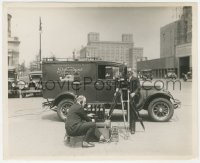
pixel 40 52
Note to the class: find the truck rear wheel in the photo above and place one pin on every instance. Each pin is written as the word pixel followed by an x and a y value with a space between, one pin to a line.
pixel 63 108
pixel 160 110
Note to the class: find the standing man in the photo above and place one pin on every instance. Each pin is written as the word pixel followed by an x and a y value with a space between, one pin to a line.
pixel 134 88
pixel 78 123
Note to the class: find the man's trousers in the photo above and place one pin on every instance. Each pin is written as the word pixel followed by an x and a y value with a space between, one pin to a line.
pixel 88 129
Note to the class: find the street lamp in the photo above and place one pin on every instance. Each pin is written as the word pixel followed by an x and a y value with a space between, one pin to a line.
pixel 40 53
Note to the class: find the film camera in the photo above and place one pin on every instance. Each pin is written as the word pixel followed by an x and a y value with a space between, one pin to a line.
pixel 123 83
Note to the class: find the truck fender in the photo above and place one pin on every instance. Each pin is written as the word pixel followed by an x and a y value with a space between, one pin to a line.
pixel 63 95
pixel 153 96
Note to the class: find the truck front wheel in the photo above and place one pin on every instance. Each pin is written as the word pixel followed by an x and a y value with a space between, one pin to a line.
pixel 63 108
pixel 160 110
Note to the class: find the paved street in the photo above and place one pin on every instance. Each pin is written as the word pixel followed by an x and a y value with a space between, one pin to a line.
pixel 36 132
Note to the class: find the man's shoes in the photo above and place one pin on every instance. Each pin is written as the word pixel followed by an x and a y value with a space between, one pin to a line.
pixel 132 132
pixel 87 144
pixel 67 138
pixel 103 140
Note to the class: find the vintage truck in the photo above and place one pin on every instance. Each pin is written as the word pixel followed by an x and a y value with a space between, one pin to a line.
pixel 13 90
pixel 63 80
pixel 34 85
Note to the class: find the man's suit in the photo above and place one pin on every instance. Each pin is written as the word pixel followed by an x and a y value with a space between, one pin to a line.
pixel 134 87
pixel 78 123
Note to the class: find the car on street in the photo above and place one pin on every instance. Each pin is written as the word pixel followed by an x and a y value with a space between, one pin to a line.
pixel 64 80
pixel 13 89
pixel 34 86
pixel 187 76
pixel 171 75
pixel 146 74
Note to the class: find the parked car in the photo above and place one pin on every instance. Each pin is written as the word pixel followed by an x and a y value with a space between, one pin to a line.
pixel 187 76
pixel 146 74
pixel 171 75
pixel 97 81
pixel 13 89
pixel 34 86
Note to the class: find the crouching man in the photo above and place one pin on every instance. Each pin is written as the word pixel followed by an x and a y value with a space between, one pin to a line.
pixel 78 123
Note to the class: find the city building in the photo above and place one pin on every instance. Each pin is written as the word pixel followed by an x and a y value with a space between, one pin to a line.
pixel 116 51
pixel 168 35
pixel 137 52
pixel 135 55
pixel 159 66
pixel 13 46
pixel 175 48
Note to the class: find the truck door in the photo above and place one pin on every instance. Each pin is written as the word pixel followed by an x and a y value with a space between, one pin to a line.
pixel 105 85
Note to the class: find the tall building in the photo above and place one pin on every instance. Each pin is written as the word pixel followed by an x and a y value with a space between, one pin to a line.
pixel 13 46
pixel 184 28
pixel 184 41
pixel 176 33
pixel 135 55
pixel 116 51
pixel 175 47
pixel 138 52
pixel 168 35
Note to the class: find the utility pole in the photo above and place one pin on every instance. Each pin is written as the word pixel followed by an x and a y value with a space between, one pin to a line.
pixel 40 52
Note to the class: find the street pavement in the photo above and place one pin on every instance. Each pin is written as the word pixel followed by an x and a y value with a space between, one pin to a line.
pixel 35 132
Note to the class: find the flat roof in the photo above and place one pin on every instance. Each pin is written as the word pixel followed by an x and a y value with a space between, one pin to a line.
pixel 98 62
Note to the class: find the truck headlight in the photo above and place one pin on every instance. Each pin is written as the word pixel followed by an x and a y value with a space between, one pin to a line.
pixel 26 86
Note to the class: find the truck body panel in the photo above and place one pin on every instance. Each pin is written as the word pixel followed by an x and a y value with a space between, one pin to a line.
pixel 62 76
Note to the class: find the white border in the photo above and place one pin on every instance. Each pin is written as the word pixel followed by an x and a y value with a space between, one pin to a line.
pixel 1 95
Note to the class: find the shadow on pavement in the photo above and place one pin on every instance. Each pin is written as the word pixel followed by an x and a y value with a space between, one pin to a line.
pixel 115 118
pixel 52 117
pixel 119 118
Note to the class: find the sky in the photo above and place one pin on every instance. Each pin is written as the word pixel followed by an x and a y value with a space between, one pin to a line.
pixel 65 29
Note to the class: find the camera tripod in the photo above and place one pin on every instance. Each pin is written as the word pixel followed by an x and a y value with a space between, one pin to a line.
pixel 125 92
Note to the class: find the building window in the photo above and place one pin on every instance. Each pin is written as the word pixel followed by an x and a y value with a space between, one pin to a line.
pixel 163 36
